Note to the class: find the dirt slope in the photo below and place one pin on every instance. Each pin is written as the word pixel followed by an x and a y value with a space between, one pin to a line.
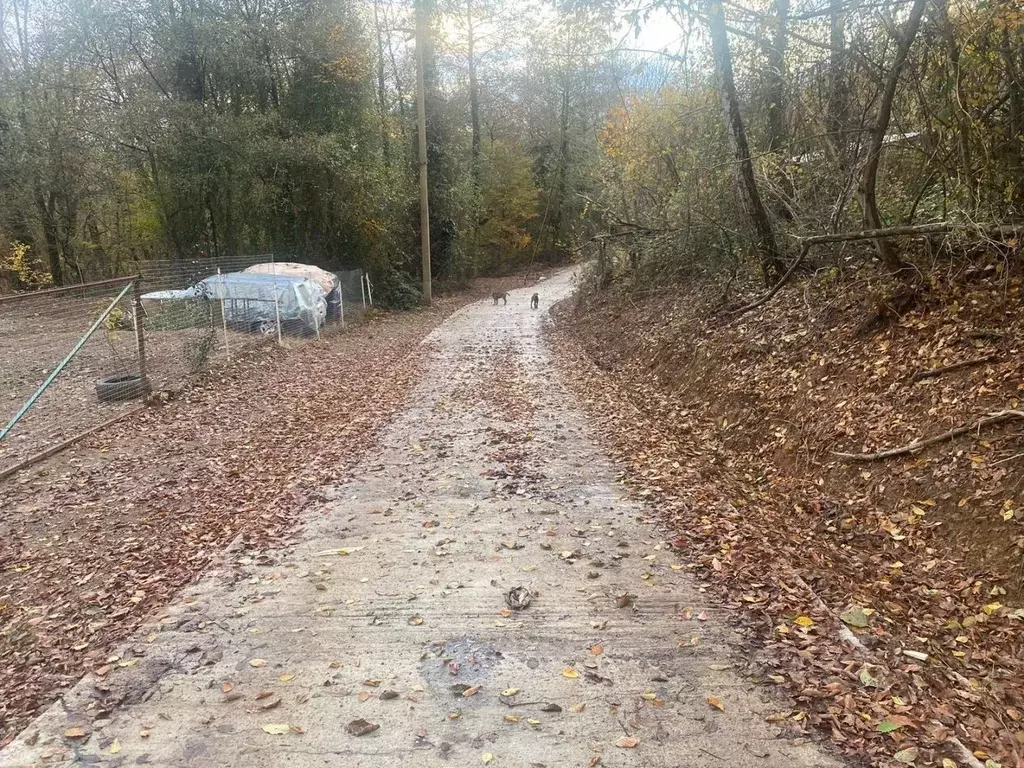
pixel 731 424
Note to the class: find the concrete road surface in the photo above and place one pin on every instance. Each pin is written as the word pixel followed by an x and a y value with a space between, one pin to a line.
pixel 385 636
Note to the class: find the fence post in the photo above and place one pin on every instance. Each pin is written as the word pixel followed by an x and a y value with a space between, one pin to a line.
pixel 140 335
pixel 224 316
pixel 362 288
pixel 369 288
pixel 277 304
pixel 341 304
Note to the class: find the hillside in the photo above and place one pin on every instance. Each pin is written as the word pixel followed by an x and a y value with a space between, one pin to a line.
pixel 731 425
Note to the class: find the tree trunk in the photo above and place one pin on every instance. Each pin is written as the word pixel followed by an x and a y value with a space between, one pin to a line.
pixel 777 137
pixel 966 181
pixel 48 215
pixel 1015 88
pixel 563 169
pixel 474 99
pixel 382 101
pixel 767 249
pixel 866 189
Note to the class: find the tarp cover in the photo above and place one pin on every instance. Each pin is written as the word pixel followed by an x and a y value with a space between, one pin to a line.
pixel 327 281
pixel 250 298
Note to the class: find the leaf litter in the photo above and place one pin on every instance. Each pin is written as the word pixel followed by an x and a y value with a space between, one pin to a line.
pixel 878 585
pixel 100 535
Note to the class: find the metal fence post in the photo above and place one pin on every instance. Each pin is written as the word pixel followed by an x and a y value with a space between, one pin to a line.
pixel 362 288
pixel 277 304
pixel 369 288
pixel 140 335
pixel 224 317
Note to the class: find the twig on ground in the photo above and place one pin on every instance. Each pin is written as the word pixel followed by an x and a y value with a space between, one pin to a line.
pixel 844 631
pixel 804 248
pixel 930 374
pixel 985 333
pixel 912 447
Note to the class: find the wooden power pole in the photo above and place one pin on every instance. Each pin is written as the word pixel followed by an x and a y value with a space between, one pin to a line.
pixel 421 113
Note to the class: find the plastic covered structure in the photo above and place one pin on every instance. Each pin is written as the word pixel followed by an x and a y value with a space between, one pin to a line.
pixel 327 281
pixel 255 302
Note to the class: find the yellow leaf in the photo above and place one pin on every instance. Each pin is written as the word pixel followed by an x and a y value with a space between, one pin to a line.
pixel 716 702
pixel 511 719
pixel 276 729
pixel 257 662
pixel 286 677
pixel 115 747
pixel 570 673
pixel 533 722
pixel 627 742
pixel 649 696
pixel 804 621
pixel 510 692
pixel 1008 515
pixel 675 567
pixel 947 763
pixel 486 757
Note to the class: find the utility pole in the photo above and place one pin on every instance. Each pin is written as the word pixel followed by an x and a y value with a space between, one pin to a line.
pixel 421 113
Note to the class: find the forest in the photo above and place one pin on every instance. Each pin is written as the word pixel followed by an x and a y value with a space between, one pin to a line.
pixel 133 131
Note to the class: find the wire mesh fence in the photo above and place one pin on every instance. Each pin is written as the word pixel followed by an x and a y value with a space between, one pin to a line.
pixel 73 359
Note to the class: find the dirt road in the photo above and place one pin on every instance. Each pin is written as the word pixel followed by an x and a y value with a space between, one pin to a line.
pixel 390 609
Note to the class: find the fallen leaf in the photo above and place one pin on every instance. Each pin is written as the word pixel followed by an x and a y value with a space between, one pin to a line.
pixel 363 696
pixel 868 679
pixel 855 617
pixel 570 673
pixel 270 703
pixel 115 747
pixel 227 686
pixel 907 756
pixel 486 757
pixel 626 742
pixel 471 691
pixel 276 729
pixel 510 692
pixel 597 650
pixel 361 727
pixel 257 662
pixel 76 733
pixel 804 621
pixel 716 702
pixel 286 677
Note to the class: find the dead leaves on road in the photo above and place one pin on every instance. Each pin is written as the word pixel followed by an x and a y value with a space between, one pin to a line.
pixel 96 545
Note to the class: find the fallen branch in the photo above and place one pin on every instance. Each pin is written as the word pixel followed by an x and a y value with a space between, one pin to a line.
pixel 993 418
pixel 804 248
pixel 940 227
pixel 58 447
pixel 922 375
pixel 985 333
pixel 844 631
